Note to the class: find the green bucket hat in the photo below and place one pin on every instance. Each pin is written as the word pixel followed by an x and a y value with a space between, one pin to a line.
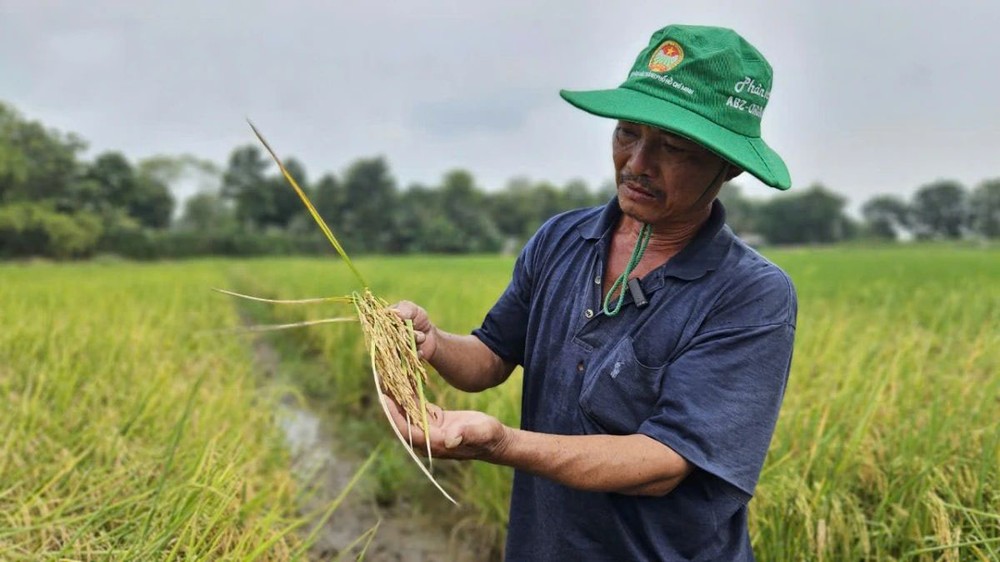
pixel 704 83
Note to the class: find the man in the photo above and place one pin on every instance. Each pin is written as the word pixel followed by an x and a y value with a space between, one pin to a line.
pixel 655 344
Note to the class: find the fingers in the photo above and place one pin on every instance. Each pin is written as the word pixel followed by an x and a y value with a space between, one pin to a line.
pixel 423 329
pixel 435 413
pixel 406 310
pixel 452 441
pixel 453 434
pixel 394 409
pixel 403 308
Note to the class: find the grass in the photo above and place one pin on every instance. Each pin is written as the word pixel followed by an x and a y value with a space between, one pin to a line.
pixel 888 445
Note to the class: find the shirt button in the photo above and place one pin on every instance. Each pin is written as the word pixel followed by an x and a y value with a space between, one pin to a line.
pixel 588 313
pixel 579 366
pixel 597 280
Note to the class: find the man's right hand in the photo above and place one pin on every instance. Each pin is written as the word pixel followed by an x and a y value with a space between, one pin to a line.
pixel 464 361
pixel 424 332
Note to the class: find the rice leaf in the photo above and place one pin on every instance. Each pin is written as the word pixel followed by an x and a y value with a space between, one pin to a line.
pixel 285 301
pixel 312 210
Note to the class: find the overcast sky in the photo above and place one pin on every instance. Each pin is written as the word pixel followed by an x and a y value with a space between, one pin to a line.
pixel 875 97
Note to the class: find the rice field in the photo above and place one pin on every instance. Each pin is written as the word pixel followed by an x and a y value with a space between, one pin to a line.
pixel 888 446
pixel 133 431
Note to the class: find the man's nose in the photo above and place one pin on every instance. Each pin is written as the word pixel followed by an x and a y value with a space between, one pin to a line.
pixel 642 159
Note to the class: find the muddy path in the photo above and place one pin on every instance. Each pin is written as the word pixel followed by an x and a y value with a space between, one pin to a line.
pixel 324 465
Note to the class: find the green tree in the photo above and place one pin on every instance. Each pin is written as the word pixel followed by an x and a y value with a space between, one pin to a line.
pixel 511 209
pixel 110 182
pixel 984 204
pixel 939 210
pixel 114 179
pixel 329 200
pixel 522 206
pixel 206 212
pixel 163 175
pixel 36 229
pixel 424 227
pixel 886 216
pixel 576 195
pixel 740 211
pixel 814 216
pixel 369 207
pixel 35 163
pixel 152 203
pixel 285 203
pixel 419 206
pixel 245 184
pixel 605 192
pixel 463 206
pixel 548 202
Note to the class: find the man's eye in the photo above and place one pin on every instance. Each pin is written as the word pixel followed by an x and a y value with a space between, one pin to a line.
pixel 672 147
pixel 626 133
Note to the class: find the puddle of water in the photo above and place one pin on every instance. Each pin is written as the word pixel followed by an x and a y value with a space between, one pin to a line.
pixel 301 429
pixel 402 535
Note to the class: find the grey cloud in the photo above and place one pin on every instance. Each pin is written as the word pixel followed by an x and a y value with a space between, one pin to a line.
pixel 868 98
pixel 503 112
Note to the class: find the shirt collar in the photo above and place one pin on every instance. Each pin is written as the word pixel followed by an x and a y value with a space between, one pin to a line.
pixel 703 254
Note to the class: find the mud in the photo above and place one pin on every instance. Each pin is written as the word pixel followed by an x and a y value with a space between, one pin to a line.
pixel 403 535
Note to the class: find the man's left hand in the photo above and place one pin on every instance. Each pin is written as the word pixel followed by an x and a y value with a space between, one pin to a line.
pixel 455 434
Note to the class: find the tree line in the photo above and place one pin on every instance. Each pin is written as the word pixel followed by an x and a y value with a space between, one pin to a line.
pixel 56 203
pixel 939 210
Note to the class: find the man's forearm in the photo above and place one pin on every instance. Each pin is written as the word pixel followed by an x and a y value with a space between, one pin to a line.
pixel 467 364
pixel 625 464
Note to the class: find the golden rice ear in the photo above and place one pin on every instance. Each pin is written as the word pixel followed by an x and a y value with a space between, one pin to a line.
pixel 399 436
pixel 399 366
pixel 396 365
pixel 420 391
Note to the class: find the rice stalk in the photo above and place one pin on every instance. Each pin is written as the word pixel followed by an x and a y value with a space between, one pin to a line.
pixel 286 301
pixel 303 324
pixel 396 366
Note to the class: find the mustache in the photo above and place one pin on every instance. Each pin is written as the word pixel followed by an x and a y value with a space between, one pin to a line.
pixel 643 181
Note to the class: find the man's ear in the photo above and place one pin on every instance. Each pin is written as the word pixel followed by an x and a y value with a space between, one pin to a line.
pixel 732 172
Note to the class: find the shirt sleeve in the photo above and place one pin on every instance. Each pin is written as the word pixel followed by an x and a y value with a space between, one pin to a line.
pixel 505 327
pixel 719 399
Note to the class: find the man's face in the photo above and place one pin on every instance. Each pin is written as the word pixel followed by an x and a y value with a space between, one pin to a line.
pixel 662 177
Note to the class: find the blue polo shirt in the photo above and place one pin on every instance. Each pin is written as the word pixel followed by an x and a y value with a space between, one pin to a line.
pixel 702 369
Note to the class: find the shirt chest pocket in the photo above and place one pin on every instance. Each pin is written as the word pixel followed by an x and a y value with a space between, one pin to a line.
pixel 619 392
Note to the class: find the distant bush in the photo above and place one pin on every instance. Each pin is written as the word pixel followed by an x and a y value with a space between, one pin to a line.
pixel 36 229
pixel 146 244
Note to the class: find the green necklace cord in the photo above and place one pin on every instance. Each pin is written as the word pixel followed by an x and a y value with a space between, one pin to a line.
pixel 640 248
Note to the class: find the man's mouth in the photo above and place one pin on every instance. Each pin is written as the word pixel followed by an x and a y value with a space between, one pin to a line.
pixel 637 191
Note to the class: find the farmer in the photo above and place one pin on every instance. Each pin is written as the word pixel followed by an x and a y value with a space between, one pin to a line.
pixel 655 344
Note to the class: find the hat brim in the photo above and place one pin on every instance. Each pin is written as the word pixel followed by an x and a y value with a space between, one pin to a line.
pixel 751 154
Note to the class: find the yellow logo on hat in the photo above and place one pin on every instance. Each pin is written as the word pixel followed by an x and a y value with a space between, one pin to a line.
pixel 668 55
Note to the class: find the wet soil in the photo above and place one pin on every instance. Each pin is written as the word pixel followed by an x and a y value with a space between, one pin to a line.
pixel 322 464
